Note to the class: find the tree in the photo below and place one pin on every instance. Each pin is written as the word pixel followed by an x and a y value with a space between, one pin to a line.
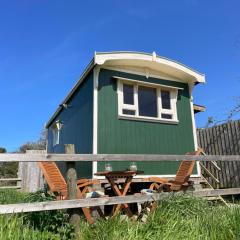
pixel 40 144
pixel 232 113
pixel 7 170
pixel 3 150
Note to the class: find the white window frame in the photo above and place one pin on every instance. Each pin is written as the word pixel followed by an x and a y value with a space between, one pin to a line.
pixel 160 110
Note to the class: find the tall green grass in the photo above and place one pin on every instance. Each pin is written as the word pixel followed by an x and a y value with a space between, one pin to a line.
pixel 176 218
pixel 8 196
pixel 13 228
pixel 45 224
pixel 179 217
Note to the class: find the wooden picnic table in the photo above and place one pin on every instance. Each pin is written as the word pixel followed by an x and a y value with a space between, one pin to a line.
pixel 112 177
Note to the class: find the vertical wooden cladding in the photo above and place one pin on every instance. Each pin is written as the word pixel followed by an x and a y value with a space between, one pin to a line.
pixel 223 140
pixel 77 129
pixel 132 136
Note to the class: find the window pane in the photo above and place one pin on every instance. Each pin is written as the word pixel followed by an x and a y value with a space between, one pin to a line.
pixel 165 96
pixel 128 112
pixel 128 94
pixel 166 116
pixel 147 101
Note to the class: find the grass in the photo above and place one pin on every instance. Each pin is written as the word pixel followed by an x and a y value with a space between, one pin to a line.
pixel 8 196
pixel 181 217
pixel 36 225
pixel 176 218
pixel 14 228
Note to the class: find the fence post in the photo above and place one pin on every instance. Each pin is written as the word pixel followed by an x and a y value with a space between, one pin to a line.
pixel 72 188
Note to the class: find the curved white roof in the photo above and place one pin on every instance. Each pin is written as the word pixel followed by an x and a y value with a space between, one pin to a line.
pixel 151 62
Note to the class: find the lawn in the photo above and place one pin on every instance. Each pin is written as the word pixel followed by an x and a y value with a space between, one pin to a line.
pixel 181 217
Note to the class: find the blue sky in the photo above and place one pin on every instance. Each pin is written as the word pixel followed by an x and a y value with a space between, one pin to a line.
pixel 45 45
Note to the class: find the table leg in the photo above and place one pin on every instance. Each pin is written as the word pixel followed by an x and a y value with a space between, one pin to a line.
pixel 119 193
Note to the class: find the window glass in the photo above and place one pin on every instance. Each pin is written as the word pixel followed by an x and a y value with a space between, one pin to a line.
pixel 166 116
pixel 128 112
pixel 147 101
pixel 128 94
pixel 165 96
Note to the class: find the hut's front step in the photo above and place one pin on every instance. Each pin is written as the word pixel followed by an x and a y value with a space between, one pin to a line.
pixel 199 183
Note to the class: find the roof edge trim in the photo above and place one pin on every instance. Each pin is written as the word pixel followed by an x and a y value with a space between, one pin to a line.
pixel 101 57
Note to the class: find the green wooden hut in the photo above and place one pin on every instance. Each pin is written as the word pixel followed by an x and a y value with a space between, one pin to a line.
pixel 128 102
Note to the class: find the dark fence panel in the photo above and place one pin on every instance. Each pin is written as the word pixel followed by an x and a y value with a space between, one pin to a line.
pixel 222 140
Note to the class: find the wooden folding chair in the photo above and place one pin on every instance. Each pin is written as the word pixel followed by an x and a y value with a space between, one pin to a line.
pixel 58 186
pixel 181 180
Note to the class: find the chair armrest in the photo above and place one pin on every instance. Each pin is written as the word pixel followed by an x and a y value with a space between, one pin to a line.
pixel 82 180
pixel 158 180
pixel 86 182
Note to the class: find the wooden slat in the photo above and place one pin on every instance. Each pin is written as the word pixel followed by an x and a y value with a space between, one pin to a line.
pixel 236 149
pixel 211 149
pixel 221 150
pixel 228 152
pixel 93 202
pixel 222 146
pixel 111 157
pixel 230 135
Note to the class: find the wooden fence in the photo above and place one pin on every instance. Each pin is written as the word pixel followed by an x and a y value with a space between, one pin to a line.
pixel 7 183
pixel 103 201
pixel 76 203
pixel 222 140
pixel 30 174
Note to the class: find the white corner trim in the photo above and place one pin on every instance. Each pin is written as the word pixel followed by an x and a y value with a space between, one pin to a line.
pixel 193 118
pixel 191 86
pixel 96 71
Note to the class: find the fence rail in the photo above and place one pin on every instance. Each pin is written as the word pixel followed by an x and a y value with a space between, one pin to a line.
pixel 111 157
pixel 7 180
pixel 93 202
pixel 77 203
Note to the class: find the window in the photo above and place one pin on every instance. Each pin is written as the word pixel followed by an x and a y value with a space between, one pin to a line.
pixel 147 101
pixel 128 94
pixel 139 100
pixel 165 96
